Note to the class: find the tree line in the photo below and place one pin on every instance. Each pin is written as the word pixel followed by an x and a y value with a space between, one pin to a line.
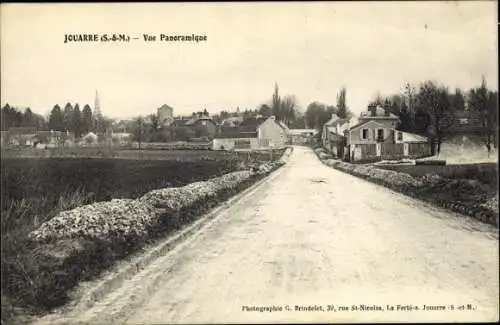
pixel 77 121
pixel 317 114
pixel 17 117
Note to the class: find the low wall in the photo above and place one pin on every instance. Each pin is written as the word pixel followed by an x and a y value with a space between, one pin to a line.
pixel 372 152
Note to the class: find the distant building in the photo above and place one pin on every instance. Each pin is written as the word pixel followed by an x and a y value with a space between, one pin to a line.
pixel 252 134
pixel 165 115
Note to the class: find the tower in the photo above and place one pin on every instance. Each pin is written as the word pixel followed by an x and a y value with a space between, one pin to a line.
pixel 97 106
pixel 97 116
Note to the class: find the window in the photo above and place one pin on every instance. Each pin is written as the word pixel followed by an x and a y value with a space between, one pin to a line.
pixel 400 136
pixel 364 134
pixel 380 135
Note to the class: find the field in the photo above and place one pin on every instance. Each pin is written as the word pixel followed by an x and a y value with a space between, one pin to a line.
pixel 34 190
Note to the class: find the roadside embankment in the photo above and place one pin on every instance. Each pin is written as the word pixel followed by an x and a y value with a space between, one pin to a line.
pixel 470 197
pixel 78 244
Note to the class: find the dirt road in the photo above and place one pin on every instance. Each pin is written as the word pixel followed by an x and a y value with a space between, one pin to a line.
pixel 318 239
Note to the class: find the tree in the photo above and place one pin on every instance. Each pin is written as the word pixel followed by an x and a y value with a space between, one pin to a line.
pixel 154 127
pixel 68 116
pixel 5 117
pixel 288 109
pixel 434 100
pixel 86 119
pixel 28 117
pixel 276 102
pixel 138 131
pixel 484 102
pixel 76 121
pixel 316 115
pixel 56 122
pixel 458 100
pixel 265 110
pixel 342 110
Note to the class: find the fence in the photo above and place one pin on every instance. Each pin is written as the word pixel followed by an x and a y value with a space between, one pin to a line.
pixel 387 151
pixel 369 151
pixel 417 150
pixel 392 150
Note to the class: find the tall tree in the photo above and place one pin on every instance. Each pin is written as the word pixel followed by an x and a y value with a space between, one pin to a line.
pixel 154 127
pixel 86 119
pixel 138 131
pixel 56 122
pixel 341 103
pixel 458 100
pixel 484 102
pixel 276 102
pixel 68 116
pixel 76 121
pixel 28 118
pixel 288 111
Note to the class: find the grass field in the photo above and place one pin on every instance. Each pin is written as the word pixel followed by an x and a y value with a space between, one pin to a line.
pixel 34 190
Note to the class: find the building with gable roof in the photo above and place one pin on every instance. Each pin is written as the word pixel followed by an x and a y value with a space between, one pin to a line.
pixel 253 133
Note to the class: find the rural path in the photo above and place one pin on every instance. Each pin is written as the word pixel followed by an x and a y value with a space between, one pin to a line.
pixel 314 236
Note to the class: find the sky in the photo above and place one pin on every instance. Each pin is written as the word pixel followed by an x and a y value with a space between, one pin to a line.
pixel 310 50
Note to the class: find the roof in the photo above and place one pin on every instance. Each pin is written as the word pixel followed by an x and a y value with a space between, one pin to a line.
pixel 179 122
pixel 252 122
pixel 335 119
pixel 412 137
pixel 302 131
pixel 363 123
pixel 232 121
pixel 235 135
pixel 380 113
pixel 165 106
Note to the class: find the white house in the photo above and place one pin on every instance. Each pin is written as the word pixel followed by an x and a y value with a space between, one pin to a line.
pixel 252 134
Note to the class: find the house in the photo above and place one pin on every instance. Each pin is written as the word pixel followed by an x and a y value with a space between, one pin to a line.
pixel 254 133
pixel 302 136
pixel 195 126
pixel 203 126
pixel 30 137
pixel 375 137
pixel 332 135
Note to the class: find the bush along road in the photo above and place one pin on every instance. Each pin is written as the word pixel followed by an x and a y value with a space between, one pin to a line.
pixel 77 245
pixel 465 196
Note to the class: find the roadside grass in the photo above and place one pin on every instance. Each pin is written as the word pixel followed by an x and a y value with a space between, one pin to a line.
pixel 486 173
pixel 35 190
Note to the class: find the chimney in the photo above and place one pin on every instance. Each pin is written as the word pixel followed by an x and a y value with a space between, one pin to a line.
pixel 372 109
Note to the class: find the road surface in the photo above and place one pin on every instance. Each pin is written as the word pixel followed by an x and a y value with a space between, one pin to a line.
pixel 308 242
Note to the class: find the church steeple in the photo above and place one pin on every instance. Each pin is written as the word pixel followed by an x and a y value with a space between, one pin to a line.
pixel 97 106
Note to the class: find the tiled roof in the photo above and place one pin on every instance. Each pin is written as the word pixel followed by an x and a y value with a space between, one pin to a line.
pixel 235 135
pixel 179 122
pixel 252 122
